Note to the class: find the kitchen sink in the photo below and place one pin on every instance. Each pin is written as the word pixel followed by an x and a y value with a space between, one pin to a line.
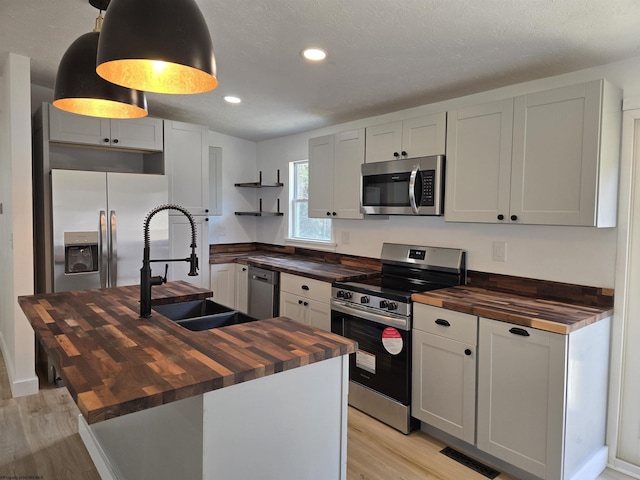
pixel 200 315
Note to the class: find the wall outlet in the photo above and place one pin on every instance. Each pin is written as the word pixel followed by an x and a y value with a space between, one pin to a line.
pixel 499 251
pixel 346 238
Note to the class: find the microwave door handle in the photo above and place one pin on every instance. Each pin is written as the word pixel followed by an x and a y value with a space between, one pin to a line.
pixel 104 259
pixel 412 188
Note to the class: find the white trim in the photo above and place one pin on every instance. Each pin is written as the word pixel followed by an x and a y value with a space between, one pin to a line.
pixel 630 130
pixel 324 246
pixel 100 459
pixel 19 388
pixel 625 467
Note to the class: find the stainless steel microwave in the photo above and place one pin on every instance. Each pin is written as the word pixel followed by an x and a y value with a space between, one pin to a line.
pixel 412 186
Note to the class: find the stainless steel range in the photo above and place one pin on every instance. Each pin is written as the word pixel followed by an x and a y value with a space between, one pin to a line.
pixel 377 314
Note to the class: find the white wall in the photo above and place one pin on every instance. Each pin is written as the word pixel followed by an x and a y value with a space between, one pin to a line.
pixel 583 256
pixel 238 165
pixel 16 232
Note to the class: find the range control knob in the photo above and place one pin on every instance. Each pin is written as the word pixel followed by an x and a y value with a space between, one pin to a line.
pixel 364 299
pixel 347 295
pixel 384 304
pixel 340 294
pixel 392 306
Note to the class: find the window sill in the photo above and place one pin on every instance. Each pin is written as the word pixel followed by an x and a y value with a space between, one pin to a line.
pixel 324 246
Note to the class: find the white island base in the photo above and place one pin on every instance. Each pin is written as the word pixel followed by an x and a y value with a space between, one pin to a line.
pixel 289 425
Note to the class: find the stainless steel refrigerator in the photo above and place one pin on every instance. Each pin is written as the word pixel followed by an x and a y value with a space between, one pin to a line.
pixel 97 227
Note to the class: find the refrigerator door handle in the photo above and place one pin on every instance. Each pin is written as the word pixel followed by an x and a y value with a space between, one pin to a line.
pixel 104 260
pixel 113 251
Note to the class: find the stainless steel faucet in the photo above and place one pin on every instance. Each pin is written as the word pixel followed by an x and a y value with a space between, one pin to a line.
pixel 146 280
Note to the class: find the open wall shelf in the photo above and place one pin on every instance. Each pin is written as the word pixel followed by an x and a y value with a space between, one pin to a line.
pixel 261 213
pixel 260 183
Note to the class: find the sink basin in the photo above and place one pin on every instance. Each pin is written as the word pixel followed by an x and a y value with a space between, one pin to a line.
pixel 192 309
pixel 200 315
pixel 215 321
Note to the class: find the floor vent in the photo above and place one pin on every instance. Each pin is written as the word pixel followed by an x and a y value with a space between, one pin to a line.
pixel 470 462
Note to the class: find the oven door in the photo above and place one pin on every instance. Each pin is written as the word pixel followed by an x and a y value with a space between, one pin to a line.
pixel 382 362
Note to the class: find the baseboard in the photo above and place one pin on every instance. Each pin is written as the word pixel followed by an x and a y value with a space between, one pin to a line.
pixel 594 466
pixel 22 387
pixel 100 459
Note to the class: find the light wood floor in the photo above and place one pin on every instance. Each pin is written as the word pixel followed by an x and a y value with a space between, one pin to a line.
pixel 39 438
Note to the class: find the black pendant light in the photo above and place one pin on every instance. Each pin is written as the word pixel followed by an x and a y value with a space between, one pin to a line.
pixel 79 89
pixel 161 46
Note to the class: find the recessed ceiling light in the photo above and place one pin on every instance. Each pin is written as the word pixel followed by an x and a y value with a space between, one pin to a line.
pixel 232 99
pixel 314 54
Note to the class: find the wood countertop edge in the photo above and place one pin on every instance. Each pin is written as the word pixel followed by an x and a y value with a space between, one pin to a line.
pixel 510 314
pixel 254 259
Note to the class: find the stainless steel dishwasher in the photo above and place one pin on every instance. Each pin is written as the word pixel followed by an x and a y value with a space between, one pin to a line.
pixel 264 293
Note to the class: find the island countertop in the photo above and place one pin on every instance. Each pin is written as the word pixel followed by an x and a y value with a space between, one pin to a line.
pixel 113 362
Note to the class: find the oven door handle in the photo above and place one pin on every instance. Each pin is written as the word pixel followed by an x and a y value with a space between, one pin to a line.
pixel 412 188
pixel 399 323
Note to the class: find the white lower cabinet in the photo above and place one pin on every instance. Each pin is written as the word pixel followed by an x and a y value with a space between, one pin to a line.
pixel 242 288
pixel 223 284
pixel 444 370
pixel 538 402
pixel 230 285
pixel 542 398
pixel 305 300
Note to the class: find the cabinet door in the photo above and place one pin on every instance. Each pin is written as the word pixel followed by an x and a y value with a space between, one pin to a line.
pixel 521 381
pixel 348 156
pixel 137 133
pixel 423 136
pixel 186 157
pixel 556 140
pixel 321 155
pixel 242 288
pixel 72 128
pixel 478 177
pixel 223 281
pixel 382 141
pixel 291 306
pixel 318 314
pixel 444 384
pixel 180 247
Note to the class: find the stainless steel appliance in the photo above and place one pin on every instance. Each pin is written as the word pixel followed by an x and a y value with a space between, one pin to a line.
pixel 97 226
pixel 412 186
pixel 264 293
pixel 377 314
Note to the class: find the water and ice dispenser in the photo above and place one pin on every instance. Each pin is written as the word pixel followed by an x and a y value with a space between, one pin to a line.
pixel 80 252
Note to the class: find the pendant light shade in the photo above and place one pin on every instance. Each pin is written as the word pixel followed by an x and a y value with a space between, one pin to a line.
pixel 161 46
pixel 79 89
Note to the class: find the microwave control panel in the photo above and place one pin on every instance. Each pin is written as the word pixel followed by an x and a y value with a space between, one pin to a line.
pixel 428 188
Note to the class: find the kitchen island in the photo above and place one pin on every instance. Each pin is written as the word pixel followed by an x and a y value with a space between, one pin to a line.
pixel 265 399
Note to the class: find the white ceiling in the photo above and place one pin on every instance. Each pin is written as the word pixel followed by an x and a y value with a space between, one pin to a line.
pixel 384 55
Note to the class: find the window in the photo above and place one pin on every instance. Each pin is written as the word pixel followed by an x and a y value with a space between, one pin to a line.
pixel 301 227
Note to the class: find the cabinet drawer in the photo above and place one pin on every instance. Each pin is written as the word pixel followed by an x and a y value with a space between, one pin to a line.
pixel 306 287
pixel 446 323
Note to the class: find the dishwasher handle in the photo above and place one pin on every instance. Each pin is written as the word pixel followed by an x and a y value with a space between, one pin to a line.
pixel 262 278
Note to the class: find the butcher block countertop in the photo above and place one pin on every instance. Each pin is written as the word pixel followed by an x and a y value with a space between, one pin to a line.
pixel 297 265
pixel 114 363
pixel 549 315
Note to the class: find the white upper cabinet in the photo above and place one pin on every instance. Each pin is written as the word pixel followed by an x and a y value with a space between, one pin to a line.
pixel 547 158
pixel 415 137
pixel 186 159
pixel 334 175
pixel 144 134
pixel 478 164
